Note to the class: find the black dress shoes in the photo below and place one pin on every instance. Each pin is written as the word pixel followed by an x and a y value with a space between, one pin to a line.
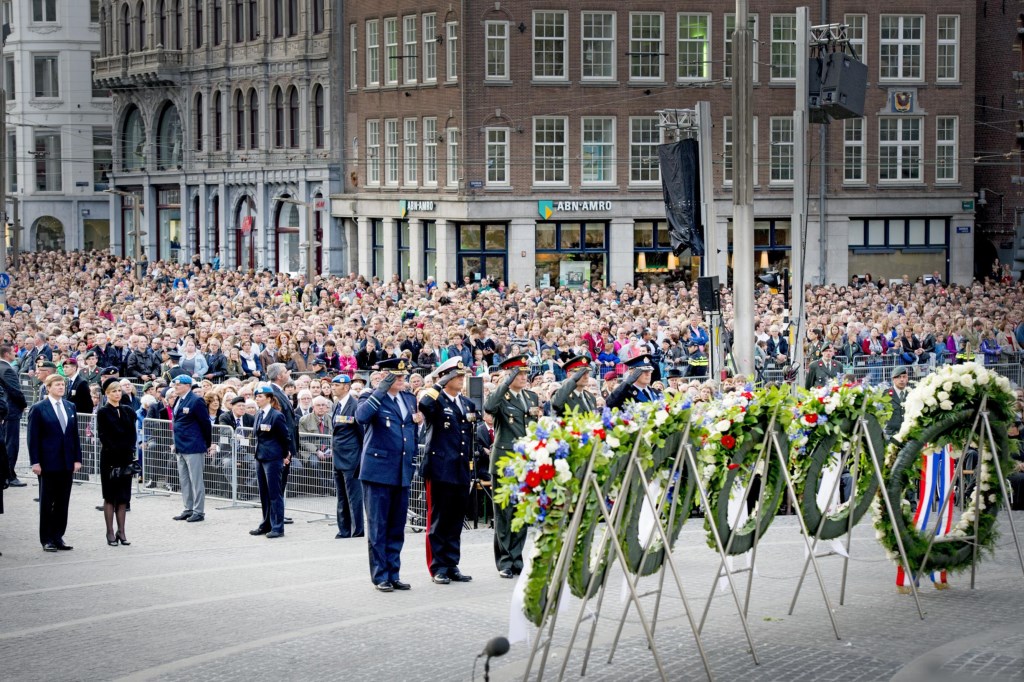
pixel 440 579
pixel 49 547
pixel 506 573
pixel 62 547
pixel 274 534
pixel 384 587
pixel 183 516
pixel 196 518
pixel 16 483
pixel 339 536
pixel 259 531
pixel 399 585
pixel 458 576
pixel 288 519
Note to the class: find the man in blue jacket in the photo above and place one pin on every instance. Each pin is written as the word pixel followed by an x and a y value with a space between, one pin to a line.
pixel 192 438
pixel 55 452
pixel 346 450
pixel 390 420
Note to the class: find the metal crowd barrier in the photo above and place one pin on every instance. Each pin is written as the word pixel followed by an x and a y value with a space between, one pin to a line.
pixel 311 479
pixel 1013 371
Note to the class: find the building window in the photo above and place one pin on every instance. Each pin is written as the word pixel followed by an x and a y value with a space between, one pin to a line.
pixel 782 151
pixel 98 91
pixel 254 120
pixel 497 50
pixel 693 52
pixel 598 59
pixel 287 246
pixel 218 21
pixel 402 249
pixel 429 249
pixel 857 32
pixel 901 47
pixel 377 235
pixel 254 19
pixel 293 117
pixel 278 118
pixel 854 148
pixel 197 134
pixel 550 151
pixel 430 37
pixel 102 156
pixel 372 53
pixel 411 160
pixel 452 153
pixel 644 138
pixel 197 35
pixel 168 140
pixel 652 245
pixel 497 157
pixel 411 47
pixel 391 50
pixel 727 151
pixel 391 151
pixel 646 37
pixel 239 120
pixel 481 251
pixel 94 11
pixel 571 254
pixel 452 51
pixel 550 45
pixel 899 149
pixel 885 234
pixel 730 29
pixel 946 149
pixel 430 152
pixel 48 160
pixel 319 118
pixel 373 152
pixel 783 47
pixel 293 18
pixel 44 11
pixel 947 58
pixel 238 29
pixel 277 18
pixel 353 52
pixel 218 121
pixel 598 161
pixel 12 163
pixel 9 77
pixel 318 17
pixel 46 75
pixel 133 154
pixel 7 13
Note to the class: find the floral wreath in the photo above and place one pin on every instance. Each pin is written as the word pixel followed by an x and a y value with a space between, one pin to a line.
pixel 729 434
pixel 941 410
pixel 823 420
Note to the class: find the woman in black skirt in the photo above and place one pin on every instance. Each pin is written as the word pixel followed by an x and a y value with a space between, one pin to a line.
pixel 115 426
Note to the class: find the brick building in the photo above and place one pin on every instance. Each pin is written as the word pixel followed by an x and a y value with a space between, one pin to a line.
pixel 518 140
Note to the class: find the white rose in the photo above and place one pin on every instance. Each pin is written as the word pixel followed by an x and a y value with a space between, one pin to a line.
pixel 659 417
pixel 943 395
pixel 914 405
pixel 945 406
pixel 967 381
pixel 983 376
pixel 613 441
pixel 562 472
pixel 947 387
pixel 542 457
pixel 930 401
pixel 830 407
pixel 723 425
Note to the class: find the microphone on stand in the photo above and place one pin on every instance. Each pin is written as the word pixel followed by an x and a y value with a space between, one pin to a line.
pixel 498 646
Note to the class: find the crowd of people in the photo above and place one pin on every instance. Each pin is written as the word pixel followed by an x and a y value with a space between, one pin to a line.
pixel 248 345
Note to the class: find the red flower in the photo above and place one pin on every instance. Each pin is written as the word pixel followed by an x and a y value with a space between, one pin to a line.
pixel 821 400
pixel 599 433
pixel 562 423
pixel 540 444
pixel 835 389
pixel 811 418
pixel 733 466
pixel 532 479
pixel 748 395
pixel 728 442
pixel 546 471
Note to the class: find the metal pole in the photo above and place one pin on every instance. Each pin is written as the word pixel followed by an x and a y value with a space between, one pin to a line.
pixel 743 193
pixel 822 181
pixel 16 237
pixel 798 229
pixel 3 192
pixel 137 219
pixel 710 264
pixel 310 245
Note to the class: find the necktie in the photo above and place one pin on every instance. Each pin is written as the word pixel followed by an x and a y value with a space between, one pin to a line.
pixel 490 432
pixel 238 423
pixel 401 407
pixel 321 425
pixel 61 417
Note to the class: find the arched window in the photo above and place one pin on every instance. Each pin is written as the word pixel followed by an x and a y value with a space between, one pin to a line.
pixel 218 122
pixel 140 17
pixel 278 118
pixel 168 139
pixel 49 234
pixel 254 120
pixel 177 25
pixel 161 25
pixel 133 153
pixel 126 29
pixel 286 248
pixel 197 28
pixel 246 233
pixel 319 122
pixel 293 118
pixel 239 120
pixel 198 137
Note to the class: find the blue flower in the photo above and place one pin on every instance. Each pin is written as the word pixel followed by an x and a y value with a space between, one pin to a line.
pixel 520 448
pixel 542 434
pixel 748 388
pixel 509 471
pixel 543 514
pixel 543 500
pixel 606 418
pixel 585 438
pixel 514 499
pixel 686 405
pixel 563 450
pixel 822 419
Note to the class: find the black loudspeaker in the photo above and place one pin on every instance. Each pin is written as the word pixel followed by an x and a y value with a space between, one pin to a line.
pixel 476 391
pixel 707 294
pixel 844 86
pixel 815 113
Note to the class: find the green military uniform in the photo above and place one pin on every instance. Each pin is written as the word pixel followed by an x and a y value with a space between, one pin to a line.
pixel 823 371
pixel 511 416
pixel 567 398
pixel 898 398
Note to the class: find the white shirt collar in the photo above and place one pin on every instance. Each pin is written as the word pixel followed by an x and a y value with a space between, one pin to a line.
pixel 266 411
pixel 55 401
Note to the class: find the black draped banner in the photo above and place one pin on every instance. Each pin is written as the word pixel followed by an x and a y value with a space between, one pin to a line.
pixel 680 183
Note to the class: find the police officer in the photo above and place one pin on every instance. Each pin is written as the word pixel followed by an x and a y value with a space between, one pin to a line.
pixel 513 407
pixel 346 450
pixel 696 362
pixel 824 370
pixel 273 451
pixel 389 419
pixel 573 394
pixel 898 395
pixel 636 385
pixel 449 418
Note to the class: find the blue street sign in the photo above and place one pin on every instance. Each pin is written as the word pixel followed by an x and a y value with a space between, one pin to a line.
pixel 5 280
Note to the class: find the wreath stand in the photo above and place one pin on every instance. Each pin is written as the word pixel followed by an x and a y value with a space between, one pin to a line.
pixel 612 520
pixel 860 440
pixel 770 452
pixel 987 440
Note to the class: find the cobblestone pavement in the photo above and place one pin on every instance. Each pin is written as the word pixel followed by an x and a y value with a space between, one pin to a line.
pixel 208 602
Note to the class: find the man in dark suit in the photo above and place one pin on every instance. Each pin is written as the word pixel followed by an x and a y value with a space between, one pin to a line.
pixel 389 419
pixel 56 454
pixel 484 442
pixel 824 370
pixel 78 388
pixel 16 405
pixel 573 394
pixel 41 350
pixel 513 407
pixel 279 375
pixel 346 449
pixel 193 435
pixel 235 418
pixel 449 418
pixel 635 386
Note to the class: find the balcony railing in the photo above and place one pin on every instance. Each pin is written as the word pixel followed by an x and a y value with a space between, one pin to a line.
pixel 149 67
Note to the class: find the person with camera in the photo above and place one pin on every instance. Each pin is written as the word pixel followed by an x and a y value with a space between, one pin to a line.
pixel 115 428
pixel 513 407
pixel 445 467
pixel 636 386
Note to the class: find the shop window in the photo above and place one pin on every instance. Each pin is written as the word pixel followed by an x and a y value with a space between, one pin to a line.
pixel 482 251
pixel 571 254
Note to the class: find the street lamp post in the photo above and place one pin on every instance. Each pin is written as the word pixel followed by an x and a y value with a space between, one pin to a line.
pixel 311 242
pixel 137 226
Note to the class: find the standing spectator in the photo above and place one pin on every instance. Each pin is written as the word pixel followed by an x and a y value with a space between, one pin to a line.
pixel 216 362
pixel 329 360
pixel 251 365
pixel 16 405
pixel 458 349
pixel 778 346
pixel 273 452
pixel 279 376
pixel 56 455
pixel 318 464
pixel 347 364
pixel 192 439
pixel 115 428
pixel 78 389
pixel 990 348
pixel 346 448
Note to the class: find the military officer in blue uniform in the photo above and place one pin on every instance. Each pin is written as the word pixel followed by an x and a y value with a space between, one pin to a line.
pixel 346 450
pixel 389 418
pixel 573 394
pixel 513 407
pixel 273 453
pixel 449 420
pixel 636 386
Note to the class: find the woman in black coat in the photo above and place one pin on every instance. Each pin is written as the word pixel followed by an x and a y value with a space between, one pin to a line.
pixel 115 426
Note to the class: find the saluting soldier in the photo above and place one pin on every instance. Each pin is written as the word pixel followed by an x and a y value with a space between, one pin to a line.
pixel 390 418
pixel 824 370
pixel 445 467
pixel 898 395
pixel 513 407
pixel 573 394
pixel 636 386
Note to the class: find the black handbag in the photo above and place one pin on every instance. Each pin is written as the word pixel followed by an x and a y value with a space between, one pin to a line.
pixel 129 471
